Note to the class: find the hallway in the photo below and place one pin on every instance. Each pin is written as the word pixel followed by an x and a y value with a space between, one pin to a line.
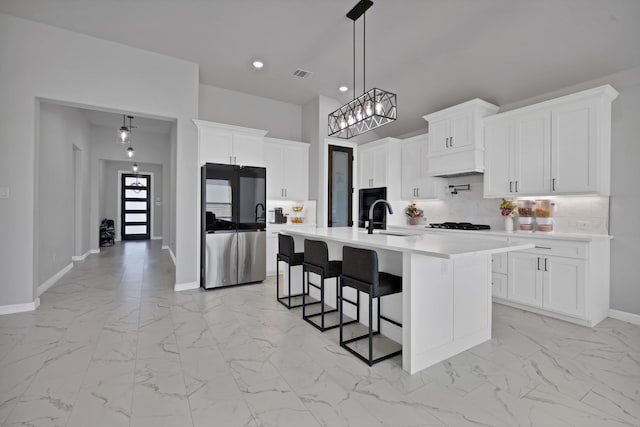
pixel 113 345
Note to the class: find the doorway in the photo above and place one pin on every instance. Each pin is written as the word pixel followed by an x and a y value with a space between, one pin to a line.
pixel 340 186
pixel 135 216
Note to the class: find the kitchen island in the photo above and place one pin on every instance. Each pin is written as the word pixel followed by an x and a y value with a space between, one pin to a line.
pixel 445 305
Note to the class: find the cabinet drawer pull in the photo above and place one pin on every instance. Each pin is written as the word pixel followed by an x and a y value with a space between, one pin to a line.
pixel 538 263
pixel 510 186
pixel 516 186
pixel 553 184
pixel 542 247
pixel 450 142
pixel 545 265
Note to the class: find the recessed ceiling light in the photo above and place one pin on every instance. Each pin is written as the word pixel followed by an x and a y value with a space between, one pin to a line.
pixel 258 64
pixel 343 88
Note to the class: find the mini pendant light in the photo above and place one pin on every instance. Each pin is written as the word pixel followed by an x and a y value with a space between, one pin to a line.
pixel 372 109
pixel 124 130
pixel 130 152
pixel 135 168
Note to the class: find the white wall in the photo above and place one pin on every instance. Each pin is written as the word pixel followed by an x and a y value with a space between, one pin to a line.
pixel 281 119
pixel 62 230
pixel 150 149
pixel 43 62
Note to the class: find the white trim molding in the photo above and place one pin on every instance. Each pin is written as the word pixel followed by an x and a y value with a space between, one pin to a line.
pixel 53 279
pixel 625 316
pixel 171 254
pixel 85 255
pixel 156 238
pixel 19 308
pixel 185 286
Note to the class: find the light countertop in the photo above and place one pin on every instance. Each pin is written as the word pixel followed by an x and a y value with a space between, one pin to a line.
pixel 440 245
pixel 501 233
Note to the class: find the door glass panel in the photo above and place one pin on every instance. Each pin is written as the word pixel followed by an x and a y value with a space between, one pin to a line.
pixel 135 206
pixel 135 217
pixel 340 189
pixel 131 180
pixel 135 194
pixel 135 229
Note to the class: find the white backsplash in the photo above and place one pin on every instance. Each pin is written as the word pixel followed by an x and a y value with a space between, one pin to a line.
pixel 308 212
pixel 573 214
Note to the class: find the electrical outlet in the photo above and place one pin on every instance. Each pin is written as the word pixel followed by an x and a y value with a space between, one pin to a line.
pixel 584 225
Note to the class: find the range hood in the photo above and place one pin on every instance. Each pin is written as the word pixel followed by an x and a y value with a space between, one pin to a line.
pixel 459 163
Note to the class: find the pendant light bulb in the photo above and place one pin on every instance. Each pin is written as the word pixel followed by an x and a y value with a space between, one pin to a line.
pixel 124 134
pixel 130 152
pixel 359 114
pixel 343 122
pixel 350 119
pixel 368 110
pixel 135 167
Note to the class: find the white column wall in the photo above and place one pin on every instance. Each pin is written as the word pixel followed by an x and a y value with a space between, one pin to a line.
pixel 44 62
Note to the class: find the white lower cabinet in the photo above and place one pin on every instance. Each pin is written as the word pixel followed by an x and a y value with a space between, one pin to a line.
pixel 564 285
pixel 525 279
pixel 272 251
pixel 560 278
pixel 499 285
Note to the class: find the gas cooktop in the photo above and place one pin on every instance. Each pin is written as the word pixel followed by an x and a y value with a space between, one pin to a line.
pixel 460 226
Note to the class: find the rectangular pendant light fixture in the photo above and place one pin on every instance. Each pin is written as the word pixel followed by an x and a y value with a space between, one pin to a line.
pixel 372 109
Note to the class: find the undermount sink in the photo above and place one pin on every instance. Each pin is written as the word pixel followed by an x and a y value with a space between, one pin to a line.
pixel 396 233
pixel 391 233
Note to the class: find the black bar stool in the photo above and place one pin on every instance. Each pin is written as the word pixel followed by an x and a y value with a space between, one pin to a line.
pixel 360 271
pixel 287 254
pixel 316 260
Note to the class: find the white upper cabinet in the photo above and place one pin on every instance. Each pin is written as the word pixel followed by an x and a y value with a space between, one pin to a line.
pixel 373 166
pixel 517 157
pixel 228 144
pixel 379 164
pixel 455 138
pixel 416 181
pixel 287 164
pixel 562 146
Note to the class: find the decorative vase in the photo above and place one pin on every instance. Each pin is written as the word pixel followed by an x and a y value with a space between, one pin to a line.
pixel 508 224
pixel 413 220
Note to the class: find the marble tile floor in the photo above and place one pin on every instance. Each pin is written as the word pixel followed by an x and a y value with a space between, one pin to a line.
pixel 113 345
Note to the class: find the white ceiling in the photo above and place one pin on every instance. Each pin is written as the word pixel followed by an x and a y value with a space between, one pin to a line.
pixel 432 53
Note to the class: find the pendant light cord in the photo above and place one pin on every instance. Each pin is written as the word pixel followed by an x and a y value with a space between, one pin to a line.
pixel 364 52
pixel 354 59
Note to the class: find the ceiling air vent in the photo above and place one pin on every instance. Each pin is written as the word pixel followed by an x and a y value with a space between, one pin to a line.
pixel 301 73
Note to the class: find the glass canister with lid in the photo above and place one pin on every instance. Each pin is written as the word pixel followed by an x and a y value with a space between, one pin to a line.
pixel 525 216
pixel 544 215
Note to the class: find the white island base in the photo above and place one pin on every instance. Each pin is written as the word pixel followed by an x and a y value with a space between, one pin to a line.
pixel 445 305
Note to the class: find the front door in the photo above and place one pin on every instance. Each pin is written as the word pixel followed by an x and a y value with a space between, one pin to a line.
pixel 136 207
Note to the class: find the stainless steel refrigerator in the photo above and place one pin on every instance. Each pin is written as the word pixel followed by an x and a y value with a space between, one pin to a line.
pixel 233 250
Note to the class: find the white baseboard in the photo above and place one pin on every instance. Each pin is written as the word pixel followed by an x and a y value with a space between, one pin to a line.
pixel 624 316
pixel 85 255
pixel 185 286
pixel 19 308
pixel 156 238
pixel 53 279
pixel 171 254
pixel 80 257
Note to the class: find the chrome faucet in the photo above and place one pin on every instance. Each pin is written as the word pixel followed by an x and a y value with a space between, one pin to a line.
pixel 370 226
